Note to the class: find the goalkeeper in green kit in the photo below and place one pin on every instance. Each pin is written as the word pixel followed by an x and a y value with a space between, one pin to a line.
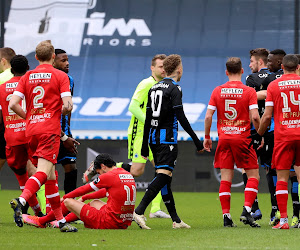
pixel 137 107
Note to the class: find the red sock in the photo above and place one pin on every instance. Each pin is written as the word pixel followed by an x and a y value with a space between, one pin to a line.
pixel 282 197
pixel 33 184
pixel 251 191
pixel 71 217
pixel 52 194
pixel 51 217
pixel 48 206
pixel 224 196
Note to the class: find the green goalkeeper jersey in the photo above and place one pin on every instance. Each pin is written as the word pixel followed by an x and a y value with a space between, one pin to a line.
pixel 141 95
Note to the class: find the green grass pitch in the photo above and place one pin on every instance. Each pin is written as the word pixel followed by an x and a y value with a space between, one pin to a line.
pixel 200 210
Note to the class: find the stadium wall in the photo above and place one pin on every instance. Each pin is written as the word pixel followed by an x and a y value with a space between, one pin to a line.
pixel 193 172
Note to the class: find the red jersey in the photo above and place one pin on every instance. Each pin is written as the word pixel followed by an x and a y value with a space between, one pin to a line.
pixel 233 101
pixel 43 89
pixel 284 95
pixel 14 125
pixel 121 189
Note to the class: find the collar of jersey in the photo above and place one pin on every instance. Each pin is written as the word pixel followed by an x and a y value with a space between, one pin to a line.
pixel 168 78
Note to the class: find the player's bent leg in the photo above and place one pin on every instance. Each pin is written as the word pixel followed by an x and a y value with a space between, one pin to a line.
pixel 74 206
pixel 137 169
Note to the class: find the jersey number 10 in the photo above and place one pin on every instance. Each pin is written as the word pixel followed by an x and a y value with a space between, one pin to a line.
pixel 156 101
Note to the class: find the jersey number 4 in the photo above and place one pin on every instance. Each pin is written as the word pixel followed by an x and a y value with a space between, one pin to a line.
pixel 286 107
pixel 128 191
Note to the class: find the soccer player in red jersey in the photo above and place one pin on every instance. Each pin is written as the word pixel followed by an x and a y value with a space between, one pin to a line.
pixel 115 183
pixel 16 142
pixel 283 99
pixel 47 94
pixel 234 103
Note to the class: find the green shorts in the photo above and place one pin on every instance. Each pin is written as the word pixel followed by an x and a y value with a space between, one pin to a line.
pixel 134 148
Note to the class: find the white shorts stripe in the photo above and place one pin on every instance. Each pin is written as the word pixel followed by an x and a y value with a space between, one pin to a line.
pixel 36 179
pixel 251 190
pixel 93 186
pixel 22 187
pixel 282 192
pixel 52 195
pixel 253 106
pixel 211 107
pixel 269 104
pixel 224 193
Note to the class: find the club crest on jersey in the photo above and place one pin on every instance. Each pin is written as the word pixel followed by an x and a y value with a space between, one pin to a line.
pixel 171 147
pixel 136 156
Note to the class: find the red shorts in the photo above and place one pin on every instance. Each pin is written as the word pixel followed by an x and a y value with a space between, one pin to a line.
pixel 44 146
pixel 17 156
pixel 285 153
pixel 231 151
pixel 98 219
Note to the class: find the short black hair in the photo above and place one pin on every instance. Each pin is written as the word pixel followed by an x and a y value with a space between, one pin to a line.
pixel 290 62
pixel 19 64
pixel 105 159
pixel 59 51
pixel 280 52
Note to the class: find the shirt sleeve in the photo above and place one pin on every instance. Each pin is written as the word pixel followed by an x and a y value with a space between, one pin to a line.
pixel 176 97
pixel 252 99
pixel 141 92
pixel 64 85
pixel 103 181
pixel 212 104
pixel 250 81
pixel 269 99
pixel 95 195
pixel 20 90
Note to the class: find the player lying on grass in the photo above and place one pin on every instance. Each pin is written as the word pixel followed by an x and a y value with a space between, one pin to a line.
pixel 115 183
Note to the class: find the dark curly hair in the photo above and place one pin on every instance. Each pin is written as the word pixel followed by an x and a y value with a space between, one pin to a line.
pixel 105 159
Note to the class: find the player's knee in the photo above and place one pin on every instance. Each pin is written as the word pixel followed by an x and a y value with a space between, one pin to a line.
pixel 68 202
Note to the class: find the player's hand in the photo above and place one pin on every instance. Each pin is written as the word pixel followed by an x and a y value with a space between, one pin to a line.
pixel 80 199
pixel 261 144
pixel 256 140
pixel 71 145
pixel 207 144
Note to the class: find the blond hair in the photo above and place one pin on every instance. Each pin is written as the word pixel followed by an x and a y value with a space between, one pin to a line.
pixel 44 51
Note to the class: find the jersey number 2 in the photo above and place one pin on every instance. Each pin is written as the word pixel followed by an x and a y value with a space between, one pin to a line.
pixel 38 97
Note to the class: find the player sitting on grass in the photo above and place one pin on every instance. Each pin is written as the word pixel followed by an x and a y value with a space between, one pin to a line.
pixel 117 213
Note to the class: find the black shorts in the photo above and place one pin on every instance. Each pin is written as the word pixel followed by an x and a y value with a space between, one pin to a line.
pixel 2 145
pixel 64 156
pixel 164 155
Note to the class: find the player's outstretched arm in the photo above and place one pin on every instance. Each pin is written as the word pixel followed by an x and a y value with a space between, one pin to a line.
pixel 261 95
pixel 67 105
pixel 79 191
pixel 187 127
pixel 135 109
pixel 14 104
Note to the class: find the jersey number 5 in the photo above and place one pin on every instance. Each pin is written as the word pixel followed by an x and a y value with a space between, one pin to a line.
pixel 128 201
pixel 156 101
pixel 233 111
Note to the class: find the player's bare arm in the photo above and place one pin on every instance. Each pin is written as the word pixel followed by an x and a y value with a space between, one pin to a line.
pixel 14 104
pixel 261 95
pixel 67 105
pixel 207 144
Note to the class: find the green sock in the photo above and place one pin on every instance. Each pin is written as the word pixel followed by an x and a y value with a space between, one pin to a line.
pixel 155 206
pixel 42 198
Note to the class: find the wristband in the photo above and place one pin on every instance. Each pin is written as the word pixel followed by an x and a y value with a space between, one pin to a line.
pixel 207 137
pixel 64 138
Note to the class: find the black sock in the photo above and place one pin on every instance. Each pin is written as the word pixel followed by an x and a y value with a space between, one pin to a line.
pixel 245 179
pixel 295 197
pixel 272 180
pixel 70 181
pixel 168 199
pixel 153 189
pixel 126 166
